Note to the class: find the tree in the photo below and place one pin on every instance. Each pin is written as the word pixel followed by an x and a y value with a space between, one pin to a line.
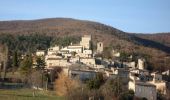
pixel 40 63
pixel 65 85
pixel 25 66
pixel 112 89
pixel 123 56
pixel 95 82
pixel 35 79
pixel 128 95
pixel 107 53
pixel 5 56
pixel 116 86
pixel 15 61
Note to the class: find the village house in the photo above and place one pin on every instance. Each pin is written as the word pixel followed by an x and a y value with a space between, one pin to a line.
pixel 88 61
pixel 115 53
pixel 82 74
pixel 53 50
pixel 73 48
pixel 142 89
pixel 40 53
pixel 121 72
pixel 56 62
pixel 129 64
pixel 145 90
pixel 158 82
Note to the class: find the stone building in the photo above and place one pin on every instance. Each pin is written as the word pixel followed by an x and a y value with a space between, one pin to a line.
pixel 99 47
pixel 54 62
pixel 145 90
pixel 158 82
pixel 141 64
pixel 82 74
pixel 142 89
pixel 53 50
pixel 86 42
pixel 88 61
pixel 40 53
pixel 115 53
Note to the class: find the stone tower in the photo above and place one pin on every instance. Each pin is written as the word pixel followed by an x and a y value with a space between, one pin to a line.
pixel 86 42
pixel 100 47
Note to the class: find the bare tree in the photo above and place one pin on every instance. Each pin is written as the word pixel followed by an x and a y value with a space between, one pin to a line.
pixel 64 85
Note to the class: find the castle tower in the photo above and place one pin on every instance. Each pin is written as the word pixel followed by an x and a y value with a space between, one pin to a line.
pixel 86 42
pixel 100 47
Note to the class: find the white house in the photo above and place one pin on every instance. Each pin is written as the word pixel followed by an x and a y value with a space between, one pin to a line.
pixel 53 50
pixel 139 71
pixel 87 53
pixel 115 53
pixel 40 53
pixel 88 61
pixel 73 48
pixel 54 62
pixel 129 64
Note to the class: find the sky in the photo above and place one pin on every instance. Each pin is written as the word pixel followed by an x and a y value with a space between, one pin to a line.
pixel 138 16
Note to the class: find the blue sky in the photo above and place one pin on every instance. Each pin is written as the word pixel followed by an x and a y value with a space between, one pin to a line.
pixel 141 16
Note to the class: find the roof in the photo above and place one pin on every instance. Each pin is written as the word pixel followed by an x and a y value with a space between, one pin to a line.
pixel 92 71
pixel 64 50
pixel 56 59
pixel 145 84
pixel 87 36
pixel 156 72
pixel 40 50
pixel 72 47
pixel 86 58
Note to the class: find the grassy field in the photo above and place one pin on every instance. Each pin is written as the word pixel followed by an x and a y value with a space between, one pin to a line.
pixel 27 94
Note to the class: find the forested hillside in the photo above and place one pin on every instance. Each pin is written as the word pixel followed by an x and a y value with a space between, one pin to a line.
pixel 163 38
pixel 39 34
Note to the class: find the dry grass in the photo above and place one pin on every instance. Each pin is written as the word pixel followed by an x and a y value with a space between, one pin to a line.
pixel 27 94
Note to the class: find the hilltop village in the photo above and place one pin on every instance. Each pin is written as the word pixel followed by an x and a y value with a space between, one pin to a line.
pixel 79 60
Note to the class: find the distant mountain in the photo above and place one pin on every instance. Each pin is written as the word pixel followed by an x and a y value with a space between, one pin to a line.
pixel 154 45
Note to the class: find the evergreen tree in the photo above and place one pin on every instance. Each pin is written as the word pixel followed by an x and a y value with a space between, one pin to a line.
pixel 15 60
pixel 26 65
pixel 5 56
pixel 40 63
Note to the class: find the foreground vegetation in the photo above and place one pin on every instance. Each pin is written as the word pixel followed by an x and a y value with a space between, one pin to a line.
pixel 27 94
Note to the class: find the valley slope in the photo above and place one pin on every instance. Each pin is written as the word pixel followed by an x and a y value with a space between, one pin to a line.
pixel 150 45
